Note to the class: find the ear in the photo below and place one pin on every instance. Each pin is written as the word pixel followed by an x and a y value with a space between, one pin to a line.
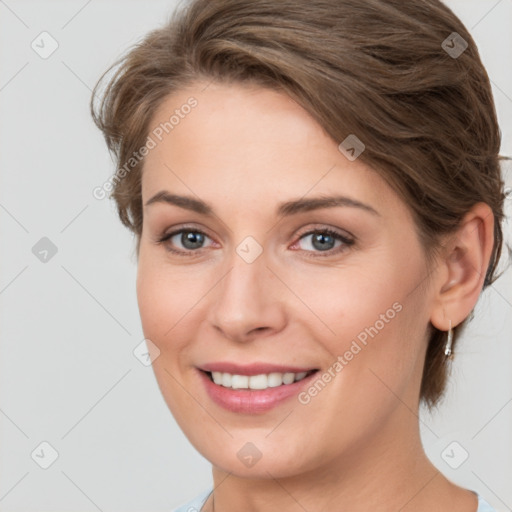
pixel 461 268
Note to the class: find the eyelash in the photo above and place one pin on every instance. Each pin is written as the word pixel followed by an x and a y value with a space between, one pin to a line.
pixel 347 242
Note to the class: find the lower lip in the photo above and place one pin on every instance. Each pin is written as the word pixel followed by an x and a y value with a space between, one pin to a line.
pixel 252 401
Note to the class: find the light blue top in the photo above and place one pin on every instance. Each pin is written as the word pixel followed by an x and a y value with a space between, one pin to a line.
pixel 196 504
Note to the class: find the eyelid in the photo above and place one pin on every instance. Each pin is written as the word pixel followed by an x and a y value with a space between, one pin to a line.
pixel 322 228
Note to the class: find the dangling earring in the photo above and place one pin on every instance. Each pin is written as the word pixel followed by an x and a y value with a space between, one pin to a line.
pixel 448 347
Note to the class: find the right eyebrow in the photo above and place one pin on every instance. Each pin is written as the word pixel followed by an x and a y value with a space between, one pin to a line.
pixel 187 202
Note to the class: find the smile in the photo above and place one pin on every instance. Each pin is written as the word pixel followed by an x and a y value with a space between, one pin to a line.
pixel 253 394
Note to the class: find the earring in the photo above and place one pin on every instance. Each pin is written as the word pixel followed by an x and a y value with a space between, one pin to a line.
pixel 448 348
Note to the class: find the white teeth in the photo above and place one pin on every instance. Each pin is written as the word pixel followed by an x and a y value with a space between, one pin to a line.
pixel 274 380
pixel 239 381
pixel 262 381
pixel 288 378
pixel 258 381
pixel 226 380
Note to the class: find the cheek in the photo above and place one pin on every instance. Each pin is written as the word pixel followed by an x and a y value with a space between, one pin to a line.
pixel 368 316
pixel 349 300
pixel 377 356
pixel 166 307
pixel 160 300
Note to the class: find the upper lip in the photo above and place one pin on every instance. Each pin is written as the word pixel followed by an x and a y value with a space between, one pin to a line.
pixel 251 369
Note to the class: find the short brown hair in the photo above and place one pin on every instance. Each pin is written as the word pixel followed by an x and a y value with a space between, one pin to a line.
pixel 376 69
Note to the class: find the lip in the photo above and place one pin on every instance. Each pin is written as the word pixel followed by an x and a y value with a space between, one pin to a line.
pixel 251 369
pixel 252 401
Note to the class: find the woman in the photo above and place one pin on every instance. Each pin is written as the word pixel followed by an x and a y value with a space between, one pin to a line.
pixel 315 190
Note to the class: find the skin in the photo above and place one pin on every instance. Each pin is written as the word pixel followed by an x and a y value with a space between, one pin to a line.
pixel 356 445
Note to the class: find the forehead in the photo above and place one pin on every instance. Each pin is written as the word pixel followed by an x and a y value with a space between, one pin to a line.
pixel 245 141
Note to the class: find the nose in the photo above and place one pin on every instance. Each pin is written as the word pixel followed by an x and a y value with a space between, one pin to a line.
pixel 248 301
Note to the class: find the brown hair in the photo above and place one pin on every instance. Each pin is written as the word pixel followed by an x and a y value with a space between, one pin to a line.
pixel 376 69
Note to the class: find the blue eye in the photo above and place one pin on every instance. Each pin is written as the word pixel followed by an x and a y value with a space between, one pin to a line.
pixel 192 240
pixel 324 240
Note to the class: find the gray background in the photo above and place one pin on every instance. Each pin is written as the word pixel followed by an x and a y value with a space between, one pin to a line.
pixel 68 375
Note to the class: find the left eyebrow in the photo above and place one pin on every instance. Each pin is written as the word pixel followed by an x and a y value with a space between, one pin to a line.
pixel 306 205
pixel 284 209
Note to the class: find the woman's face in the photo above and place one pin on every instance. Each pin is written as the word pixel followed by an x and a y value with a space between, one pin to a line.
pixel 256 282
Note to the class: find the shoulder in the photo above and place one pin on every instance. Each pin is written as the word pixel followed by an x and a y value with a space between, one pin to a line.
pixel 196 504
pixel 483 506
